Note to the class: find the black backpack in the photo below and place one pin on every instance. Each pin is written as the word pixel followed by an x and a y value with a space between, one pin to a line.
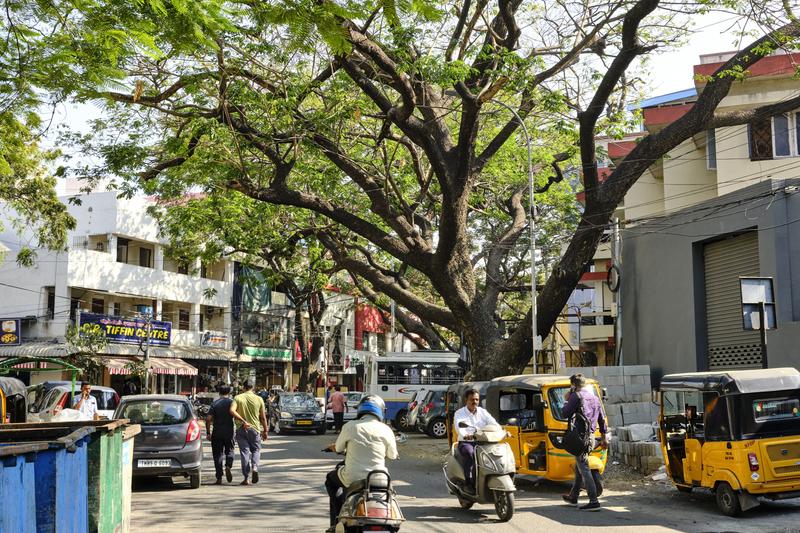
pixel 578 439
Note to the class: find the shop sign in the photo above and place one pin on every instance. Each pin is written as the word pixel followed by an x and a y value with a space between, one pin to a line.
pixel 10 333
pixel 127 330
pixel 214 339
pixel 278 354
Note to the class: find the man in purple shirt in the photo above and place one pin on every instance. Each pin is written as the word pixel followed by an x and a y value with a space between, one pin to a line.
pixel 580 394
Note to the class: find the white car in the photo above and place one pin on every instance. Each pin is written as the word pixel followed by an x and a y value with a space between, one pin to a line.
pixel 60 397
pixel 413 409
pixel 352 404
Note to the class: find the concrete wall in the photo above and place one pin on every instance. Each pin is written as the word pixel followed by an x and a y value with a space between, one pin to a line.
pixel 663 285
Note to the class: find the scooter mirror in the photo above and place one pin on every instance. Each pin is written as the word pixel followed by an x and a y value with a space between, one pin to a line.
pixel 463 425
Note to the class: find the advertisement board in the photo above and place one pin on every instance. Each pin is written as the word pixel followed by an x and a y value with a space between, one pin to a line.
pixel 128 330
pixel 10 333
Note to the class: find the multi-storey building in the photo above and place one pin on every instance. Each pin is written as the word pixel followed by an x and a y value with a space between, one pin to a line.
pixel 720 206
pixel 116 270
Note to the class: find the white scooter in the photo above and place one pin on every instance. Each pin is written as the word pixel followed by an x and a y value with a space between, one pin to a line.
pixel 370 505
pixel 494 471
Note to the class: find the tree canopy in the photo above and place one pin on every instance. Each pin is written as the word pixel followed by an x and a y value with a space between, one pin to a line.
pixel 383 130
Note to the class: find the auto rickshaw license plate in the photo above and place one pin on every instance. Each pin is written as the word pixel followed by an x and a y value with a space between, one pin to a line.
pixel 154 463
pixel 304 422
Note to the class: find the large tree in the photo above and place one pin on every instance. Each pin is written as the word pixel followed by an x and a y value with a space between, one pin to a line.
pixel 387 123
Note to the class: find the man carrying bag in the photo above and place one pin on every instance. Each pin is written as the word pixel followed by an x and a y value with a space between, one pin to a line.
pixel 585 413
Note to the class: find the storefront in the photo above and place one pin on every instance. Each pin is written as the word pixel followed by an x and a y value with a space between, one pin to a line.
pixel 269 367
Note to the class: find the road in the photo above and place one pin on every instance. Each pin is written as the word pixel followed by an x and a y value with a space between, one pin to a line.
pixel 290 497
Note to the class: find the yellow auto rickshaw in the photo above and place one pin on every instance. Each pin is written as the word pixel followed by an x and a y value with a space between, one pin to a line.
pixel 529 406
pixel 13 400
pixel 454 400
pixel 736 432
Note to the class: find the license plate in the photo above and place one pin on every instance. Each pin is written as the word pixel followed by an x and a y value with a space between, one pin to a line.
pixel 154 463
pixel 304 422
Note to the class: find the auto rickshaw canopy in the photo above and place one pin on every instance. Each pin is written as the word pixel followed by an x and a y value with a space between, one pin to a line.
pixel 12 387
pixel 734 381
pixel 457 390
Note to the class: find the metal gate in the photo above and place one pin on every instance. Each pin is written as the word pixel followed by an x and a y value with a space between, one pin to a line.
pixel 728 345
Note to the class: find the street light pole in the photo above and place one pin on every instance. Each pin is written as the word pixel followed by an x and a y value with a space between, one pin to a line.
pixel 532 224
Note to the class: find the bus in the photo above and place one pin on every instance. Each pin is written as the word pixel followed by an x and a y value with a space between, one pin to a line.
pixel 398 376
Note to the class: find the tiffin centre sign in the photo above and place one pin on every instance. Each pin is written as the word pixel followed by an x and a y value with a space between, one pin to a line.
pixel 127 330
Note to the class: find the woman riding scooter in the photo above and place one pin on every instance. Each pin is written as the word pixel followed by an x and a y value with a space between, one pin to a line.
pixel 367 442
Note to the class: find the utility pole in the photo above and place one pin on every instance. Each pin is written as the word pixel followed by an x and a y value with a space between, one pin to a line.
pixel 148 329
pixel 616 261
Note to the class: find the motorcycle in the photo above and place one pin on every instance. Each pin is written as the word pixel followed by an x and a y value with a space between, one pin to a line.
pixel 494 471
pixel 369 505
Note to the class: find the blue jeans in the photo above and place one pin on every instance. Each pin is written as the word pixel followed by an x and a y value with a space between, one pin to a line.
pixel 582 472
pixel 250 449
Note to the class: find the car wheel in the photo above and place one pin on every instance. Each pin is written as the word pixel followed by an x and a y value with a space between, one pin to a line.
pixel 321 430
pixel 437 428
pixel 728 500
pixel 194 479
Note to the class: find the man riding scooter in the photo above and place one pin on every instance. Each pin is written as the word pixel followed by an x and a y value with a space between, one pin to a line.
pixel 367 442
pixel 476 417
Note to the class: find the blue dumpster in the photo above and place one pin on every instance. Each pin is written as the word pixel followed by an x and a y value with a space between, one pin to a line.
pixel 59 468
pixel 18 487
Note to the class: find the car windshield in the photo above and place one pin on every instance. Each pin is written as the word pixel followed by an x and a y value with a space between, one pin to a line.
pixel 558 400
pixel 155 412
pixel 354 397
pixel 299 401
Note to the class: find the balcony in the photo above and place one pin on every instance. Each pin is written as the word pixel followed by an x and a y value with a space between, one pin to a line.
pixel 596 333
pixel 92 269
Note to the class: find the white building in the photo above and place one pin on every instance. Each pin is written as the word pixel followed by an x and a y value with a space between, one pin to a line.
pixel 116 267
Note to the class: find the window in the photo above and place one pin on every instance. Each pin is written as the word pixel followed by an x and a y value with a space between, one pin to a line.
pixel 145 255
pixel 183 268
pixel 122 250
pixel 51 302
pixel 711 150
pixel 117 309
pixel 774 137
pixel 98 306
pixel 183 319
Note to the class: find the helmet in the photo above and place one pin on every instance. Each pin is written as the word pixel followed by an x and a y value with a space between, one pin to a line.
pixel 371 404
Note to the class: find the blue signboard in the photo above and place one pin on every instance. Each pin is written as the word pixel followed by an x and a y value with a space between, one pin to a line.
pixel 128 330
pixel 10 331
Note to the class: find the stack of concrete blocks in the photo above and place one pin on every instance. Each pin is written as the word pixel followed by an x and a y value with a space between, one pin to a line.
pixel 634 445
pixel 629 404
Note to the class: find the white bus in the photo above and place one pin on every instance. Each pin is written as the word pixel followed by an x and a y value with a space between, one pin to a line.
pixel 398 376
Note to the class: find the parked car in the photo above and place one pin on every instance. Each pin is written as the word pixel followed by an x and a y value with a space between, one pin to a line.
pixel 431 418
pixel 57 397
pixel 414 407
pixel 296 411
pixel 352 399
pixel 169 443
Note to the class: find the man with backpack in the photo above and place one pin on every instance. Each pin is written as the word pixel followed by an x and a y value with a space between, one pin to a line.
pixel 585 406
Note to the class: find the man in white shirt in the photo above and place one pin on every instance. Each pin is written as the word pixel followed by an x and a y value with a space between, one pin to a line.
pixel 367 442
pixel 86 403
pixel 476 417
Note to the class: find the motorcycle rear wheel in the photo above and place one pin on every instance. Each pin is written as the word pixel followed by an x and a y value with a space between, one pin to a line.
pixel 504 505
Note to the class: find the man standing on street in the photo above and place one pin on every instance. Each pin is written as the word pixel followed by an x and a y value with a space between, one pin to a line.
pixel 476 418
pixel 581 397
pixel 219 428
pixel 251 427
pixel 86 403
pixel 338 404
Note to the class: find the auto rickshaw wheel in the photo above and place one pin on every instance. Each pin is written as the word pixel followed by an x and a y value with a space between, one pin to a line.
pixel 598 482
pixel 727 500
pixel 464 503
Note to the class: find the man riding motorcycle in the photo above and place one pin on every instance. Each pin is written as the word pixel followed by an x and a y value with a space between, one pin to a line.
pixel 367 442
pixel 476 417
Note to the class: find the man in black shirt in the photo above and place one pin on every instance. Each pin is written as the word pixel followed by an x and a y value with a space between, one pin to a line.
pixel 219 418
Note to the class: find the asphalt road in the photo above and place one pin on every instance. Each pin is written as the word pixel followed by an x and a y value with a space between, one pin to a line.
pixel 290 497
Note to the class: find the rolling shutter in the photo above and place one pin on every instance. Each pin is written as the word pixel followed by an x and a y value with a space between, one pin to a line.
pixel 728 345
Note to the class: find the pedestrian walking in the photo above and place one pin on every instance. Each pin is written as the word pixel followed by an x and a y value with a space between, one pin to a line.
pixel 219 429
pixel 248 410
pixel 338 404
pixel 580 399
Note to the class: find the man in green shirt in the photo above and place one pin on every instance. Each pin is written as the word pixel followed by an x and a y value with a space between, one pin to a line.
pixel 248 412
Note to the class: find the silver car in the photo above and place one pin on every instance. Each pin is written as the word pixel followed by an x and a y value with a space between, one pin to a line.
pixel 169 444
pixel 352 399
